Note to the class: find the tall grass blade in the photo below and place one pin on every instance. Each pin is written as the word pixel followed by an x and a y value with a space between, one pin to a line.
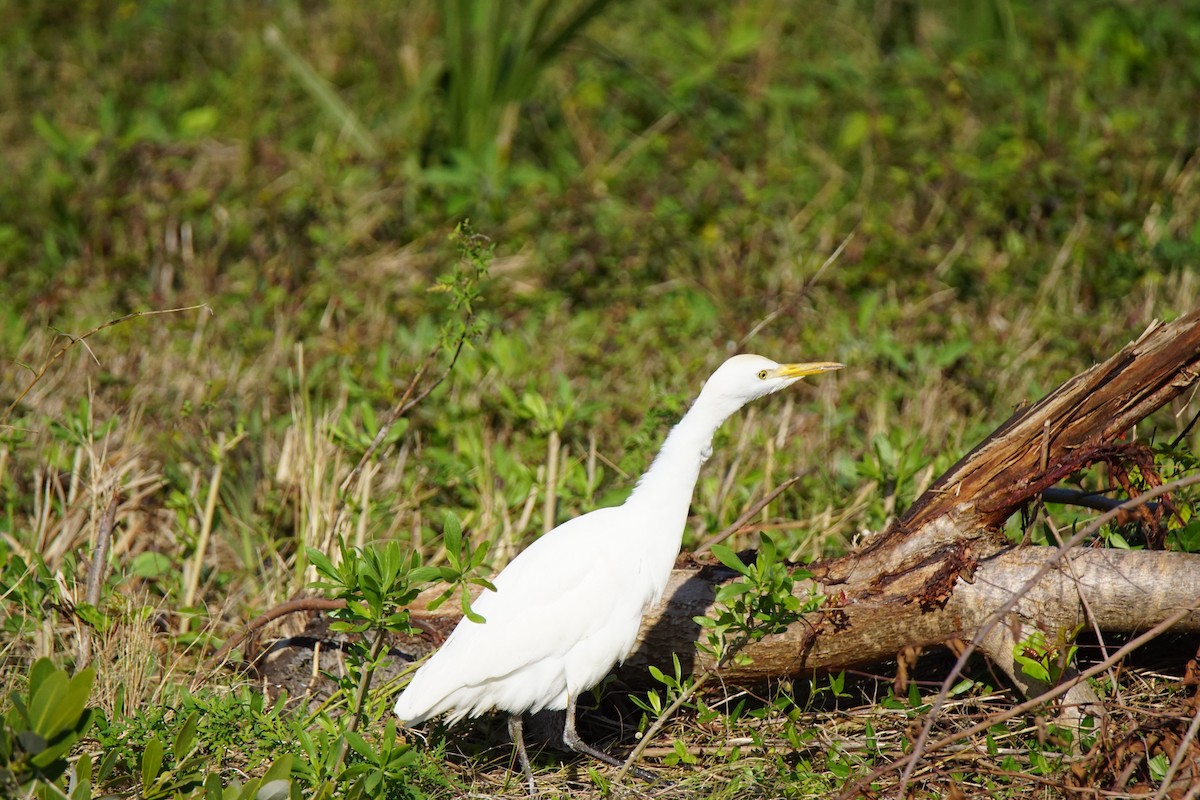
pixel 323 94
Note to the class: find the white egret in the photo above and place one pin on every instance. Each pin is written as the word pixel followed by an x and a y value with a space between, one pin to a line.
pixel 569 607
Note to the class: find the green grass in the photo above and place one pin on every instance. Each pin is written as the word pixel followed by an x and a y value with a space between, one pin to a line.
pixel 966 212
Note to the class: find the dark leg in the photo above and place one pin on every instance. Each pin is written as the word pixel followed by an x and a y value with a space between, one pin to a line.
pixel 572 740
pixel 518 739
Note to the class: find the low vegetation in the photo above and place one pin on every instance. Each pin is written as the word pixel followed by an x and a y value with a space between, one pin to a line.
pixel 253 350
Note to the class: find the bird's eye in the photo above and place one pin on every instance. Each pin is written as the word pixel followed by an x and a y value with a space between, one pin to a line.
pixel 762 374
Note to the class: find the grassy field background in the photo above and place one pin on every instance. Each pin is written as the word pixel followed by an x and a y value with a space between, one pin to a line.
pixel 964 205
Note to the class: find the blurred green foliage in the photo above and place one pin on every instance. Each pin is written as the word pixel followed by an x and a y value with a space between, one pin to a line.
pixel 966 203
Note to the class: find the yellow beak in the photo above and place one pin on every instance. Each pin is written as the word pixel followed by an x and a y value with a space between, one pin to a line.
pixel 800 370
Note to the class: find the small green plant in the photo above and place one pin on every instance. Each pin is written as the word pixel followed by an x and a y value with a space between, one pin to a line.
pixel 30 589
pixel 163 777
pixel 1046 661
pixel 675 685
pixel 463 284
pixel 276 784
pixel 378 583
pixel 495 54
pixel 386 761
pixel 40 728
pixel 182 747
pixel 759 604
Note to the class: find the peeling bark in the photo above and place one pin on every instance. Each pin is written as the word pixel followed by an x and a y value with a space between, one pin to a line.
pixel 1129 591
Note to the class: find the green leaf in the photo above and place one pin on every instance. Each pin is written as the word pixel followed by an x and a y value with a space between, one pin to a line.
pixel 41 670
pixel 468 612
pixel 1158 767
pixel 441 598
pixel 152 758
pixel 31 742
pixel 767 552
pixel 69 707
pixel 323 565
pixel 730 591
pixel 1186 538
pixel 83 778
pixel 54 751
pixel 406 757
pixel 276 784
pixel 730 559
pixel 452 536
pixel 187 732
pixel 107 764
pixel 1034 669
pixel 426 574
pixel 197 122
pixel 91 615
pixel 43 702
pixel 856 126
pixel 150 565
pixel 480 554
pixel 59 144
pixel 359 745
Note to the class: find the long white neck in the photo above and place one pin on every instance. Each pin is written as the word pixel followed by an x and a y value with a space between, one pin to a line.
pixel 664 494
pixel 672 476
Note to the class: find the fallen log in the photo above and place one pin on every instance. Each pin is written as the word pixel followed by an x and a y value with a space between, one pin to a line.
pixel 1127 590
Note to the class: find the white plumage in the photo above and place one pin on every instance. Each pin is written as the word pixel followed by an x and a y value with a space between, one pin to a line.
pixel 568 608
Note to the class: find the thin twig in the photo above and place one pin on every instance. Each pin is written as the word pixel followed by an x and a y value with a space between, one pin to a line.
pixel 364 686
pixel 281 610
pixel 100 552
pixel 406 403
pixel 661 722
pixel 74 340
pixel 1088 613
pixel 1017 710
pixel 750 513
pixel 96 572
pixel 1096 502
pixel 1182 751
pixel 998 615
pixel 388 422
pixel 805 288
pixel 919 746
pixel 1186 428
pixel 687 694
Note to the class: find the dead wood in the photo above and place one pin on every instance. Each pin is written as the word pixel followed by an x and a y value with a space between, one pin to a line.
pixel 1128 591
pixel 1078 424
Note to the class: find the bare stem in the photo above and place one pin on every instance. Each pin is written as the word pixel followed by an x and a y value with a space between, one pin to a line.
pixel 74 340
pixel 750 513
pixel 96 572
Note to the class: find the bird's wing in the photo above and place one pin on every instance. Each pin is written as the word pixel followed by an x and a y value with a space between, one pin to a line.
pixel 561 589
